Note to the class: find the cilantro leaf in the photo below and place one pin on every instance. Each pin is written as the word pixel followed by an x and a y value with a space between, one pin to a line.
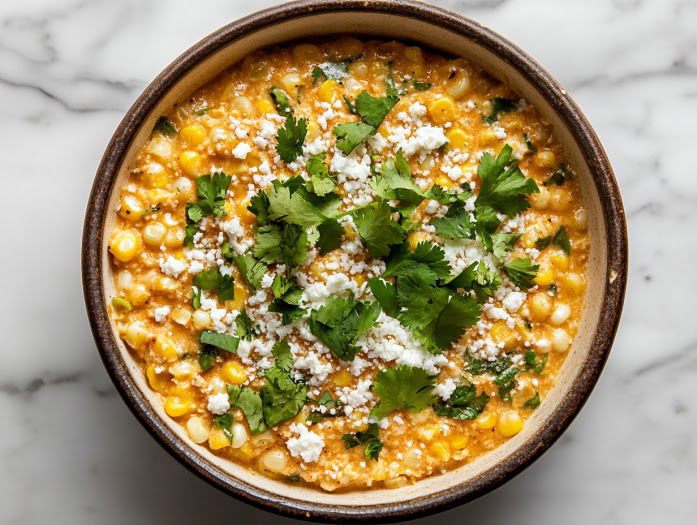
pixel 286 299
pixel 165 126
pixel 190 231
pixel 395 182
pixel 259 206
pixel 427 263
pixel 373 445
pixel 377 229
pixel 463 404
pixel 533 402
pixel 340 322
pixel 456 224
pixel 477 366
pixel 351 134
pixel 281 243
pixel 506 382
pixel 321 182
pixel 243 326
pixel 292 208
pixel 533 363
pixel 479 278
pixel 223 341
pixel 211 192
pixel 528 143
pixel 403 387
pixel 213 279
pixel 522 272
pixel 251 269
pixel 503 188
pixel 372 449
pixel 281 101
pixel 207 356
pixel 499 244
pixel 330 234
pixel 386 295
pixel 373 110
pixel 421 86
pixel 224 423
pixel 290 138
pixel 333 70
pixel 196 297
pixel 559 177
pixel 250 403
pixel 282 398
pixel 499 105
pixel 560 239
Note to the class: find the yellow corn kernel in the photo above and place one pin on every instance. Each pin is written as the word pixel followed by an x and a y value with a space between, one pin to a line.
pixel 560 199
pixel 358 417
pixel 459 84
pixel 540 200
pixel 201 319
pixel 500 333
pixel 138 294
pixel 457 139
pixel 312 130
pixel 264 105
pixel 242 106
pixel 440 450
pixel 136 335
pixel 176 407
pixel 545 158
pixel 561 261
pixel 545 276
pixel 131 208
pixel 442 110
pixel 290 83
pixel 193 134
pixel 342 378
pixel 509 424
pixel 359 279
pixel 445 182
pixel 540 306
pixel 153 234
pixel 155 176
pixel 217 439
pixel 574 282
pixel 159 381
pixel 234 373
pixel 165 347
pixel 487 420
pixel 428 432
pixel 459 442
pixel 345 47
pixel 581 219
pixel 241 295
pixel 190 162
pixel 125 244
pixel 174 237
pixel 415 238
pixel 395 483
pixel 329 90
pixel 246 452
pixel 304 53
pixel 181 316
pixel 198 429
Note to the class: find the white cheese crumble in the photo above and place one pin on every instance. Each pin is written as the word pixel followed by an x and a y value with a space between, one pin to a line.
pixel 241 150
pixel 307 445
pixel 446 389
pixel 219 404
pixel 161 313
pixel 172 266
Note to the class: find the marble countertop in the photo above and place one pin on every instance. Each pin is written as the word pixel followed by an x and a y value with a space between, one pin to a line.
pixel 70 451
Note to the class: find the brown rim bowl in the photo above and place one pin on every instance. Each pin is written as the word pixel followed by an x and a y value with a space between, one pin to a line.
pixel 441 30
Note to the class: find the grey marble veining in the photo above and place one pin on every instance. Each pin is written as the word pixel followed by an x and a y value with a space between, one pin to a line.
pixel 70 452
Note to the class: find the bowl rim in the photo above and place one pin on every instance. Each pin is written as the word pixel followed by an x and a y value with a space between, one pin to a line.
pixel 533 448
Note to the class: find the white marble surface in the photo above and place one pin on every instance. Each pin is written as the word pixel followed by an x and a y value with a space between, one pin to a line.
pixel 71 453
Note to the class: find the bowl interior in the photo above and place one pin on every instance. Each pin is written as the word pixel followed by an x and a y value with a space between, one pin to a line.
pixel 431 34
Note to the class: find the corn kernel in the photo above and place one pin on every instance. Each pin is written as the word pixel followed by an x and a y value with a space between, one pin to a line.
pixel 176 407
pixel 165 347
pixel 442 110
pixel 304 53
pixel 540 200
pixel 217 439
pixel 440 450
pixel 395 483
pixel 509 424
pixel 234 373
pixel 193 134
pixel 545 276
pixel 312 131
pixel 153 234
pixel 329 90
pixel 428 432
pixel 574 282
pixel 545 158
pixel 415 238
pixel 159 381
pixel 198 429
pixel 190 162
pixel 581 219
pixel 457 139
pixel 290 84
pixel 561 261
pixel 125 244
pixel 174 237
pixel 201 319
pixel 540 306
pixel 264 105
pixel 459 442
pixel 246 452
pixel 560 315
pixel 500 333
pixel 131 208
pixel 242 106
pixel 561 341
pixel 138 294
pixel 181 316
pixel 487 420
pixel 241 295
pixel 136 335
pixel 342 378
pixel 155 176
pixel 560 199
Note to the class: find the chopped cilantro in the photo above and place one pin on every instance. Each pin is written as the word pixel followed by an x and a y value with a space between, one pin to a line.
pixel 224 422
pixel 213 279
pixel 340 322
pixel 499 105
pixel 333 70
pixel 290 138
pixel 559 177
pixel 244 328
pixel 377 229
pixel 528 143
pixel 479 278
pixel 196 297
pixel 250 403
pixel 463 404
pixel 396 183
pixel 202 111
pixel 403 387
pixel 281 243
pixel 477 366
pixel 259 206
pixel 456 224
pixel 369 437
pixel 504 187
pixel 321 182
pixel 281 101
pixel 330 233
pixel 372 449
pixel 189 232
pixel 499 244
pixel 223 341
pixel 373 110
pixel 522 272
pixel 532 362
pixel 351 134
pixel 506 382
pixel 165 126
pixel 211 192
pixel 207 356
pixel 560 239
pixel 386 295
pixel 282 398
pixel 421 86
pixel 427 263
pixel 286 299
pixel 533 402
pixel 251 269
pixel 120 302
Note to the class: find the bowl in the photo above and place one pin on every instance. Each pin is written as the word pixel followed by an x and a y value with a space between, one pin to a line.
pixel 444 31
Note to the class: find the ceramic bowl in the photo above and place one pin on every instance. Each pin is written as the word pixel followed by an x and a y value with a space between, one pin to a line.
pixel 444 31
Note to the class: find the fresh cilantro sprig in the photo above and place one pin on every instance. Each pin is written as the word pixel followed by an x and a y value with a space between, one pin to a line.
pixel 427 263
pixel 479 278
pixel 522 272
pixel 403 387
pixel 252 269
pixel 560 239
pixel 282 397
pixel 281 101
pixel 533 402
pixel 321 182
pixel 463 404
pixel 372 111
pixel 377 229
pixel 340 322
pixel 396 183
pixel 244 327
pixel 286 299
pixel 534 363
pixel 506 382
pixel 250 402
pixel 212 190
pixel 213 279
pixel 350 134
pixel 290 138
pixel 223 341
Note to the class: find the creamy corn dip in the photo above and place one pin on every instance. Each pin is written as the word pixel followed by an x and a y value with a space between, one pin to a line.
pixel 350 264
